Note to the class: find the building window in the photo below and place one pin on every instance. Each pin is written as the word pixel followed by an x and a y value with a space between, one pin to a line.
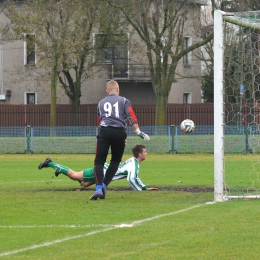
pixel 113 49
pixel 29 50
pixel 187 57
pixel 186 98
pixel 30 98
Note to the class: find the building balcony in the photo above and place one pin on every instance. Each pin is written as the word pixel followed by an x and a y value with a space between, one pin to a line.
pixel 129 72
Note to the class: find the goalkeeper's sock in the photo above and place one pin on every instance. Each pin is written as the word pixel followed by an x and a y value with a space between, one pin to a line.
pixel 98 187
pixel 60 168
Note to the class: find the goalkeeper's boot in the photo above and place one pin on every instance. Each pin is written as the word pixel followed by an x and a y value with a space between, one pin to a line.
pixel 97 194
pixel 57 173
pixel 44 164
pixel 104 191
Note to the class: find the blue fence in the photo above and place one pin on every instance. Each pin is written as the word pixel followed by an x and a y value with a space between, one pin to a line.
pixel 164 139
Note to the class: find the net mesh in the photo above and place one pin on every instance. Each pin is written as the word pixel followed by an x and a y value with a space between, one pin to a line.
pixel 242 104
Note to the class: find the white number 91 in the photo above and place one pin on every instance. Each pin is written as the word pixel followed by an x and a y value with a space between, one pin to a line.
pixel 108 109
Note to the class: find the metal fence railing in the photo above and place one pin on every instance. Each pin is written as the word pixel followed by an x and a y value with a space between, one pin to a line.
pixel 164 139
pixel 129 71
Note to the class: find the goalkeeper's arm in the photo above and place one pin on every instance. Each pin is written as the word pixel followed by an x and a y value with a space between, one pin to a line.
pixel 140 133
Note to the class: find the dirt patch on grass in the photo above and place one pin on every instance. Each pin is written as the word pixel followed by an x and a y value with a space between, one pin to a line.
pixel 174 188
pixel 193 189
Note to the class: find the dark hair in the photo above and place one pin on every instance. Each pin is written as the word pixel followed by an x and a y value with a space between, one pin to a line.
pixel 138 148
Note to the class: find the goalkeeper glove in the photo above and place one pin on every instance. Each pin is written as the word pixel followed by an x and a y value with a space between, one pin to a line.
pixel 142 134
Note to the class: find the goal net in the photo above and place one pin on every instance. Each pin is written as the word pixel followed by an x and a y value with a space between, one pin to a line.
pixel 236 105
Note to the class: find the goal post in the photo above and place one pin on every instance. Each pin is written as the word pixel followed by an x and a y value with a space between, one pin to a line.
pixel 236 109
pixel 218 106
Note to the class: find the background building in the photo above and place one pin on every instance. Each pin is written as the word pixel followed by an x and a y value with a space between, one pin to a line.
pixel 19 83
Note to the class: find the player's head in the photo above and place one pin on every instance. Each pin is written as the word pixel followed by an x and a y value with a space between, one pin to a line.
pixel 139 150
pixel 112 87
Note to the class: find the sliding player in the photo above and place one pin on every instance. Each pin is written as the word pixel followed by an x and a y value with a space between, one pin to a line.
pixel 128 169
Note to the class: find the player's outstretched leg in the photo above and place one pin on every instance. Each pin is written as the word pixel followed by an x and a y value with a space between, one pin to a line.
pixel 44 164
pixel 57 173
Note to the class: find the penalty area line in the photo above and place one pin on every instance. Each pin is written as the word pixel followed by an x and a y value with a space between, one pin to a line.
pixel 55 226
pixel 122 225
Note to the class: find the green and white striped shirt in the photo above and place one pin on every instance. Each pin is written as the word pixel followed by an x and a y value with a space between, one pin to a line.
pixel 129 169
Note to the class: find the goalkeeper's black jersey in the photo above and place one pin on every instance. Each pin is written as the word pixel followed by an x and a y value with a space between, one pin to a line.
pixel 115 110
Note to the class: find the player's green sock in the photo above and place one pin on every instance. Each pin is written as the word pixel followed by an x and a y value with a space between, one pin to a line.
pixel 58 167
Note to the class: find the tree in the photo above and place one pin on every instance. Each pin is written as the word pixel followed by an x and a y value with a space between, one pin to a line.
pixel 207 55
pixel 161 25
pixel 253 4
pixel 207 86
pixel 64 37
pixel 4 26
pixel 43 19
pixel 77 62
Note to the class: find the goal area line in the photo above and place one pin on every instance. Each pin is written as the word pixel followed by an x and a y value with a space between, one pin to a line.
pixel 241 197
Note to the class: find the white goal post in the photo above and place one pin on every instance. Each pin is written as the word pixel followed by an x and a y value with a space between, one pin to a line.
pixel 219 114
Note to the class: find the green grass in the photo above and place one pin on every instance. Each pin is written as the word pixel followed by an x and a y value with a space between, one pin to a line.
pixel 44 217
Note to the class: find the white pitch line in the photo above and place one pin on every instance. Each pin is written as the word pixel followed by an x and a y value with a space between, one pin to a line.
pixel 54 226
pixel 122 225
pixel 165 215
pixel 54 242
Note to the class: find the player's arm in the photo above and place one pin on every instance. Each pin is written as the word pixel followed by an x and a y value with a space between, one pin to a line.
pixel 140 133
pixel 136 183
pixel 133 121
pixel 141 186
pixel 133 178
pixel 98 115
pixel 152 188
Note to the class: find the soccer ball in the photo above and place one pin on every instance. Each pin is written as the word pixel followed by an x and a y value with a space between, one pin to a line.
pixel 187 126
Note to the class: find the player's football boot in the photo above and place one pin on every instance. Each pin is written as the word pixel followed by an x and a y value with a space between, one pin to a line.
pixel 57 173
pixel 44 164
pixel 104 191
pixel 97 194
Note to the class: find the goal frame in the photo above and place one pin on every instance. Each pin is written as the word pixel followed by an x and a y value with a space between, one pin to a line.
pixel 219 17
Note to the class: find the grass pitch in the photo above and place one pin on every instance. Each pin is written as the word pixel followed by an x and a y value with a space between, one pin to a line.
pixel 47 217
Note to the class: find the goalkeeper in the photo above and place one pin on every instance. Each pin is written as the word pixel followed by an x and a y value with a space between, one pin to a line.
pixel 128 169
pixel 112 112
